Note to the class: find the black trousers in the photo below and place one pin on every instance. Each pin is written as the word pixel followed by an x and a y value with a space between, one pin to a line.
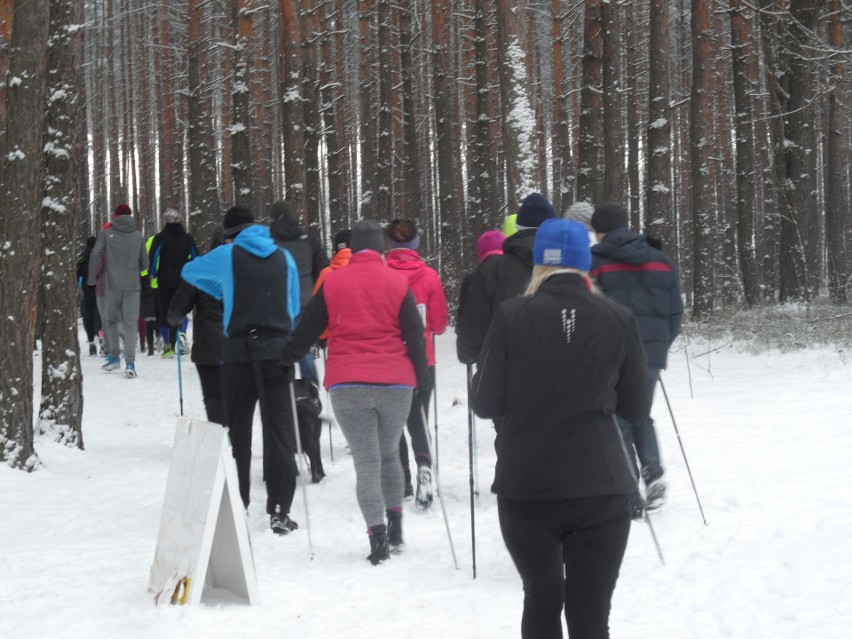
pixel 240 395
pixel 567 552
pixel 419 431
pixel 211 390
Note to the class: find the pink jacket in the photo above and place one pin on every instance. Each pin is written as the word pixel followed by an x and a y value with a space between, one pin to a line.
pixel 428 292
pixel 364 336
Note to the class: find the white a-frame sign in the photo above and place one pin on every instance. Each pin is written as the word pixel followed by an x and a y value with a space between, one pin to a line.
pixel 203 539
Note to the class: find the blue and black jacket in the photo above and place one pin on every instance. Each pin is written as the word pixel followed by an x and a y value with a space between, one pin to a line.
pixel 258 283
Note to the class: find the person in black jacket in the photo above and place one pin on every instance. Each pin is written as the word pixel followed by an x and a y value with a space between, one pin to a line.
pixel 498 278
pixel 207 336
pixel 556 366
pixel 310 258
pixel 89 304
pixel 632 270
pixel 171 249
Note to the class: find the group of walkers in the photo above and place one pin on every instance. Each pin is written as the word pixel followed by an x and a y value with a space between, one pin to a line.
pixel 568 323
pixel 127 284
pixel 568 341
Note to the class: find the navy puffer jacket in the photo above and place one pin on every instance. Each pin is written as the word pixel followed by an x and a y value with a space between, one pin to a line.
pixel 641 277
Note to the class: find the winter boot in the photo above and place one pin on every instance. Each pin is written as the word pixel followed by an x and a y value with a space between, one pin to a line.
pixel 281 523
pixel 379 547
pixel 93 350
pixel 150 348
pixel 394 526
pixel 423 498
pixel 655 494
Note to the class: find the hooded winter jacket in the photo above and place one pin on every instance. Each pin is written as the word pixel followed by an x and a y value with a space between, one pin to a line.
pixel 641 277
pixel 258 283
pixel 375 335
pixel 425 284
pixel 120 254
pixel 554 370
pixel 306 250
pixel 498 278
pixel 169 251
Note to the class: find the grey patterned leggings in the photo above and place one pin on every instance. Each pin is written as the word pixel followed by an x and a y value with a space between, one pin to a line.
pixel 372 419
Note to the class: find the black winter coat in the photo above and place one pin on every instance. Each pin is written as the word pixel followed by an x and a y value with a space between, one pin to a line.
pixel 641 277
pixel 171 249
pixel 306 250
pixel 207 334
pixel 498 278
pixel 554 370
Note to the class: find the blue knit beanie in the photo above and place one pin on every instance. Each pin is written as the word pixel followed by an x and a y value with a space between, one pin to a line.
pixel 562 243
pixel 534 210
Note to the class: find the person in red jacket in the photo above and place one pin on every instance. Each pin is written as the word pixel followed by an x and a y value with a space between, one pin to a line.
pixel 425 283
pixel 376 361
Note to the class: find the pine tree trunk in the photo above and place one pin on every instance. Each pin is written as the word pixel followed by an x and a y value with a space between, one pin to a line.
pixel 6 7
pixel 241 159
pixel 204 209
pixel 836 207
pixel 561 141
pixel 366 119
pixel 384 175
pixel 798 205
pixel 313 124
pixel 658 195
pixel 613 126
pixel 590 156
pixel 744 68
pixel 61 412
pixel 448 202
pixel 335 135
pixel 20 220
pixel 292 125
pixel 411 161
pixel 701 127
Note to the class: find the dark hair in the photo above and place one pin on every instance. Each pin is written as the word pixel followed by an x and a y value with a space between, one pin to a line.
pixel 402 230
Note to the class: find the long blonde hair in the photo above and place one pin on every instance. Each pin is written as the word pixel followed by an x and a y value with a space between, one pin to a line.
pixel 541 273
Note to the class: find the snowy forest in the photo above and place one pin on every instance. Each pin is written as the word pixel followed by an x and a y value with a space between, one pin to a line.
pixel 721 124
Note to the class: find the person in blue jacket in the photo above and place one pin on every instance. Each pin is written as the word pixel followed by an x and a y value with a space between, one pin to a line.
pixel 258 283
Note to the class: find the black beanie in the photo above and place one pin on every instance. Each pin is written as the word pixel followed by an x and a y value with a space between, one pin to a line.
pixel 367 234
pixel 534 210
pixel 236 219
pixel 608 216
pixel 342 239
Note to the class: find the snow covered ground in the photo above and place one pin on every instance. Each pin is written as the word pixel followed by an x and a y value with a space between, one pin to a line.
pixel 768 438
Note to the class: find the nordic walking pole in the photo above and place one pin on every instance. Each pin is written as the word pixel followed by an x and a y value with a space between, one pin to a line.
pixel 470 428
pixel 435 399
pixel 180 383
pixel 300 457
pixel 683 452
pixel 440 498
pixel 627 454
pixel 327 405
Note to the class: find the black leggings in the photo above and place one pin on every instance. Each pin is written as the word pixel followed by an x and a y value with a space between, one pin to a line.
pixel 567 552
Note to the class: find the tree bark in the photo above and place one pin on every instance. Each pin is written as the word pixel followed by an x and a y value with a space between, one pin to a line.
pixel 836 206
pixel 204 207
pixel 61 412
pixel 589 159
pixel 561 140
pixel 241 159
pixel 613 123
pixel 20 220
pixel 701 127
pixel 384 169
pixel 658 193
pixel 291 102
pixel 744 68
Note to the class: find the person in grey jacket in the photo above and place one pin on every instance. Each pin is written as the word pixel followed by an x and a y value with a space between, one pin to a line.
pixel 120 249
